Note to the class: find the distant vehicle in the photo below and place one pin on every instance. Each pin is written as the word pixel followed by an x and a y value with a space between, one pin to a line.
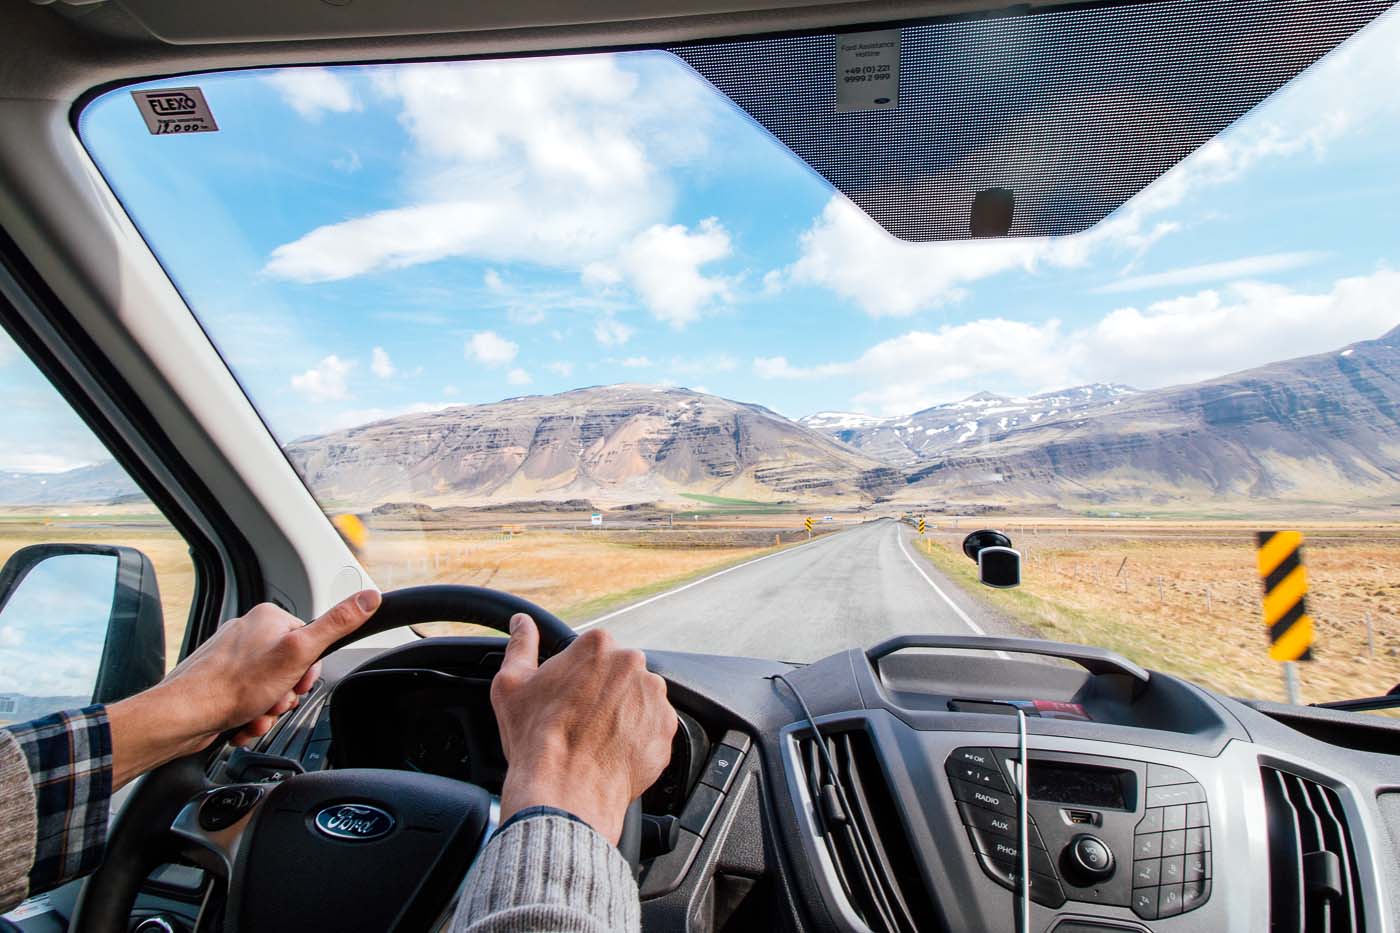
pixel 828 518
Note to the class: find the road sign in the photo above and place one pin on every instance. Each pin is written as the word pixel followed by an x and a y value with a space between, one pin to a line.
pixel 1285 591
pixel 597 518
pixel 809 524
pixel 921 526
pixel 352 530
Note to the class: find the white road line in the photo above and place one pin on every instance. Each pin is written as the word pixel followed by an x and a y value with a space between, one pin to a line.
pixel 967 619
pixel 681 589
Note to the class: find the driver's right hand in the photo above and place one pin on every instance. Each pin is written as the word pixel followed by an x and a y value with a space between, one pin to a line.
pixel 587 731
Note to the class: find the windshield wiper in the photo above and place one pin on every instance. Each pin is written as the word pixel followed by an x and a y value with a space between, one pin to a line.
pixel 1391 699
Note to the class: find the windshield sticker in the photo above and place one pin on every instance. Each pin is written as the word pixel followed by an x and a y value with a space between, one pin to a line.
pixel 175 110
pixel 867 71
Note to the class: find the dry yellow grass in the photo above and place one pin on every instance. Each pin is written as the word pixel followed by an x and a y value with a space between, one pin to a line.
pixel 1188 600
pixel 147 532
pixel 574 575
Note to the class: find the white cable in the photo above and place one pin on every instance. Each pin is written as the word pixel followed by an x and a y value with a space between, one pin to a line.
pixel 1025 829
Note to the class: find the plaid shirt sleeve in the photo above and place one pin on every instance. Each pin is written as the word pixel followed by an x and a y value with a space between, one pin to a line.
pixel 70 765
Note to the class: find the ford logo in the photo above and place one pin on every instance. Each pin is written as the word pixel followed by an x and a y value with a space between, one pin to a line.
pixel 357 822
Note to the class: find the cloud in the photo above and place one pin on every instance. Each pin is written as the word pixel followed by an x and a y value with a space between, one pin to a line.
pixel 327 381
pixel 518 377
pixel 1245 268
pixel 637 362
pixel 561 368
pixel 314 91
pixel 1184 339
pixel 491 349
pixel 11 637
pixel 663 265
pixel 348 163
pixel 355 417
pixel 611 332
pixel 493 281
pixel 380 364
pixel 556 162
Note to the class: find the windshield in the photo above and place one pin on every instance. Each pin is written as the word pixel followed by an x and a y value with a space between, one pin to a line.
pixel 580 328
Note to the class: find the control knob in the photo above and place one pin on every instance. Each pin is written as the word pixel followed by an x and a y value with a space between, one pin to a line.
pixel 1088 859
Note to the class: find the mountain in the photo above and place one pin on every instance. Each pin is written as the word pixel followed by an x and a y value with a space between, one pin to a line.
pixel 967 423
pixel 612 443
pixel 101 483
pixel 1323 428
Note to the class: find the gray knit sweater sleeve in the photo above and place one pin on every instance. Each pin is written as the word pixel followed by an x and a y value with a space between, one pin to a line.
pixel 549 873
pixel 18 823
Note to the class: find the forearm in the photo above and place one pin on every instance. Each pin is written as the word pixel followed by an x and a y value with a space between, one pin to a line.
pixel 548 872
pixel 153 728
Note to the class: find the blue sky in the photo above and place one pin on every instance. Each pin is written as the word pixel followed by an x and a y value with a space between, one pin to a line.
pixel 53 628
pixel 364 241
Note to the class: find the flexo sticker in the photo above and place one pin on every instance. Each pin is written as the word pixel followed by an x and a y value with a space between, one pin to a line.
pixel 867 71
pixel 174 110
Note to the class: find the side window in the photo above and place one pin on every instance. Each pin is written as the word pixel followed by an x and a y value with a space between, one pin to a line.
pixel 96 584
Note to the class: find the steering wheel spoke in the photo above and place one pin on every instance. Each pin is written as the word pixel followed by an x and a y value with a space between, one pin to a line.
pixel 212 825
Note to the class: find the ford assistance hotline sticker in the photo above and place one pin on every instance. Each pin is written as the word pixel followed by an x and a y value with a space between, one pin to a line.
pixel 867 71
pixel 170 111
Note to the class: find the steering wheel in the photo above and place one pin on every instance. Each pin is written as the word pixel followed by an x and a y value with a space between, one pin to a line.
pixel 357 849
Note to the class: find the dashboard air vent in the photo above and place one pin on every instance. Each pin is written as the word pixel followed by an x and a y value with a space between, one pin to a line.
pixel 1314 886
pixel 864 835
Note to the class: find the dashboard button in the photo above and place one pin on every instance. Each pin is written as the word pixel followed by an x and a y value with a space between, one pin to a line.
pixel 719 773
pixel 314 758
pixel 1158 775
pixel 977 757
pixel 992 822
pixel 1197 815
pixel 1172 868
pixel 1045 889
pixel 1009 850
pixel 1194 893
pixel 1147 873
pixel 1088 860
pixel 1197 840
pixel 1196 867
pixel 1175 794
pixel 979 776
pixel 983 797
pixel 1174 842
pixel 1174 817
pixel 1145 903
pixel 1168 901
pixel 700 810
pixel 1151 821
pixel 1147 846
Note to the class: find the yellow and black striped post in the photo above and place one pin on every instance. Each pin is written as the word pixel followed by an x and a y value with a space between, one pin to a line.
pixel 808 523
pixel 1285 595
pixel 921 525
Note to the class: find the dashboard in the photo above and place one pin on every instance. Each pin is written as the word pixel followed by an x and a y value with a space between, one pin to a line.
pixel 1150 805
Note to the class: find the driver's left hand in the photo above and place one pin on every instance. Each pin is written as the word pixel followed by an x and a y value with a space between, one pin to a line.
pixel 254 669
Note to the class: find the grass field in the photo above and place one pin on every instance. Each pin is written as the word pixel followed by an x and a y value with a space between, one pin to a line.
pixel 1187 599
pixel 146 531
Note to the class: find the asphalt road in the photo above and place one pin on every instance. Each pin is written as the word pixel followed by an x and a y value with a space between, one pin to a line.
pixel 849 589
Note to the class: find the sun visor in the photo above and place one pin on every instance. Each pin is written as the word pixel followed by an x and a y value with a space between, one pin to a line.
pixel 1061 115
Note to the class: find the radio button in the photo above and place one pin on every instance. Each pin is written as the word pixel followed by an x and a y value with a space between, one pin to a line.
pixel 1045 889
pixel 984 797
pixel 979 776
pixel 1145 903
pixel 1147 873
pixel 1008 850
pixel 1151 821
pixel 1175 794
pixel 1197 814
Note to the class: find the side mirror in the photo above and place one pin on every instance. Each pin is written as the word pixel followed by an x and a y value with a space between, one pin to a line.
pixel 78 623
pixel 998 563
